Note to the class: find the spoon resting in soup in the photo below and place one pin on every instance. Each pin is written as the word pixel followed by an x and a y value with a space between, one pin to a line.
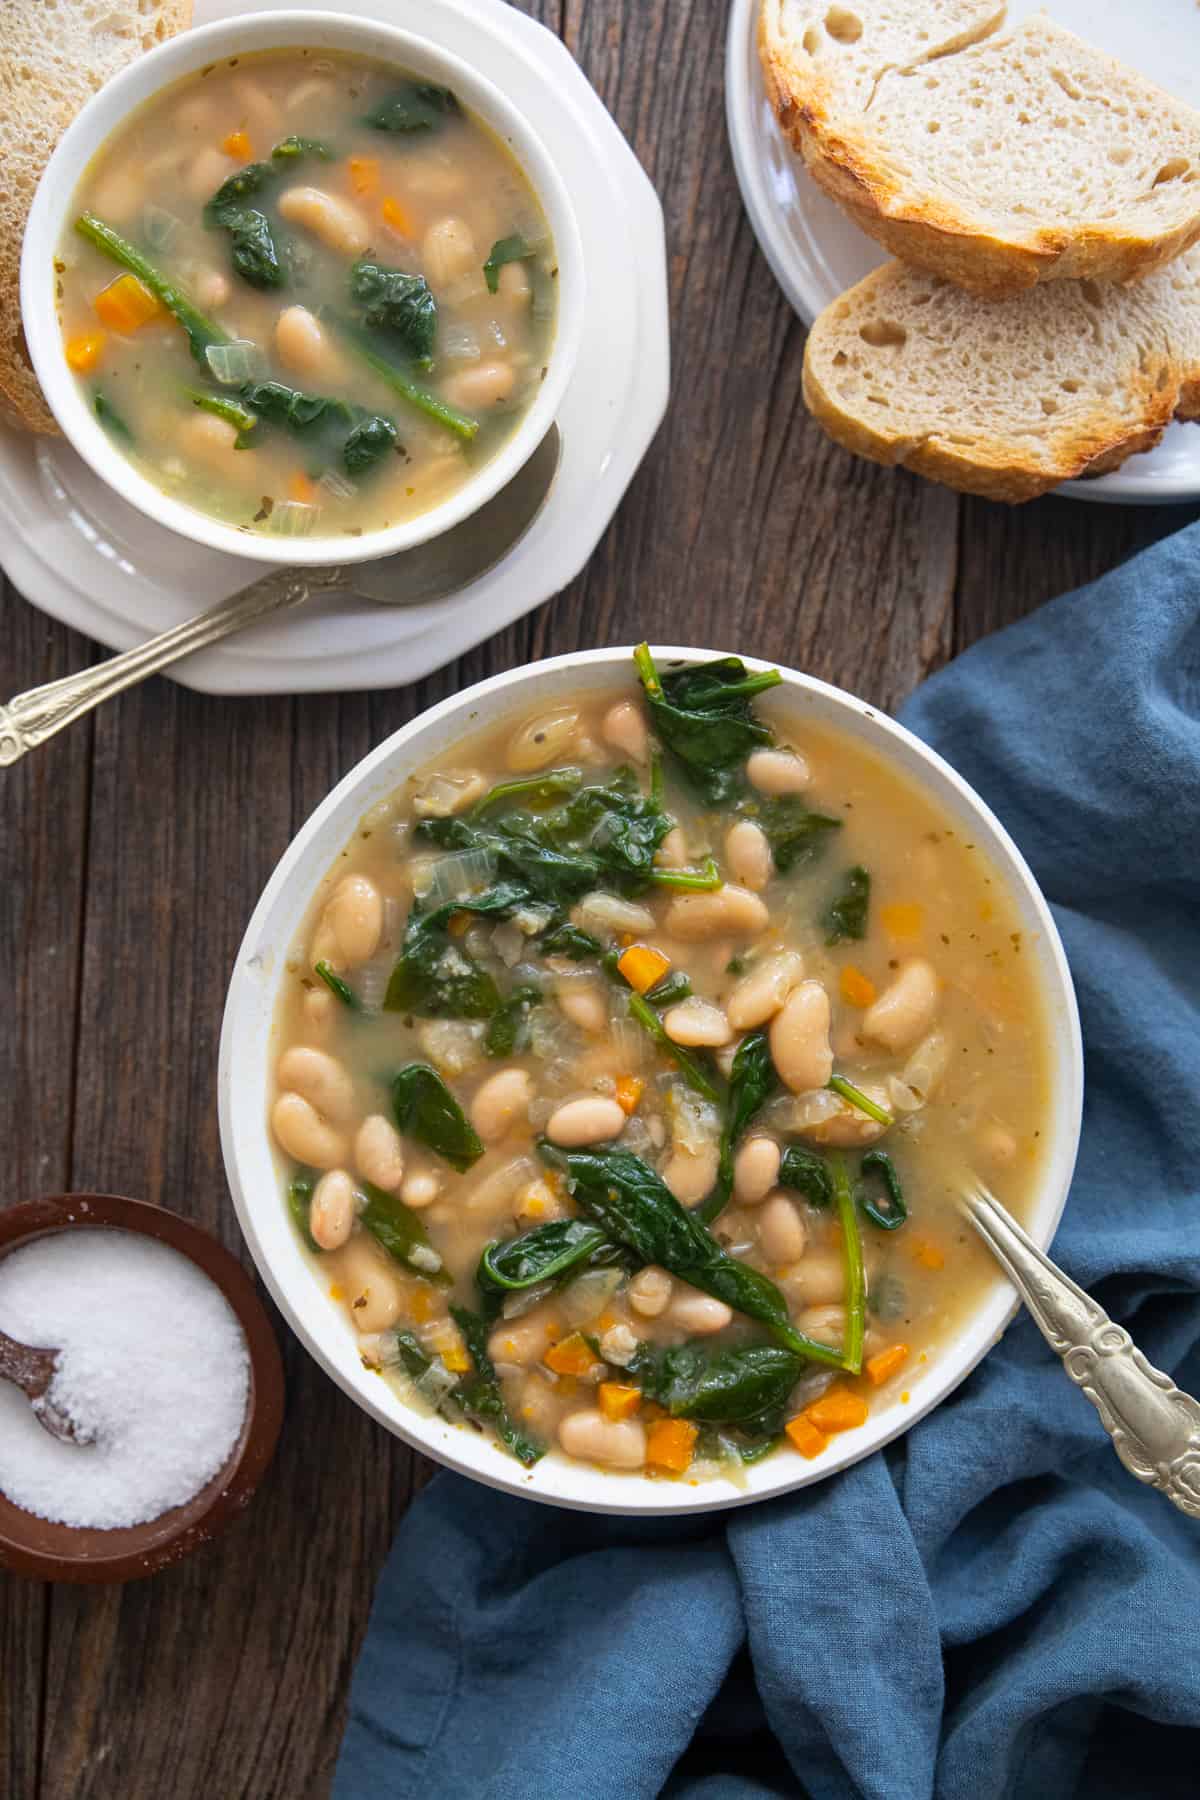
pixel 624 1068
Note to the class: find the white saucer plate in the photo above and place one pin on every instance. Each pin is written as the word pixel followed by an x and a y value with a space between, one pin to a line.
pixel 815 252
pixel 83 555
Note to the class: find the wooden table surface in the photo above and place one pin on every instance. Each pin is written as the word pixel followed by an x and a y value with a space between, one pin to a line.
pixel 135 845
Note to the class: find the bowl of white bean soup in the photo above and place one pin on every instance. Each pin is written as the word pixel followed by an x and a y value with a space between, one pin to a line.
pixel 603 1059
pixel 303 287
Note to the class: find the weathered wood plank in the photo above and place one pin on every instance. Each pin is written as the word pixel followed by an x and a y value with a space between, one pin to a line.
pixel 43 840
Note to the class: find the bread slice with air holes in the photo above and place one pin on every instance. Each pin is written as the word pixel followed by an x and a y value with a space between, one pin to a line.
pixel 996 159
pixel 54 54
pixel 1006 398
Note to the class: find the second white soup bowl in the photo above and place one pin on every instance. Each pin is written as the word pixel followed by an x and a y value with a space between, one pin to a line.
pixel 249 1051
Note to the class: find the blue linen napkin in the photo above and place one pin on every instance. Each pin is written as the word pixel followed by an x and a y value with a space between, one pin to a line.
pixel 992 1606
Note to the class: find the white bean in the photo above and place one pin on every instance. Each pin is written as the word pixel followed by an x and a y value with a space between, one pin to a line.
pixel 650 1291
pixel 482 385
pixel 355 915
pixel 608 912
pixel 906 1008
pixel 781 1233
pixel 799 1036
pixel 728 909
pixel 448 251
pixel 697 1023
pixel 207 170
pixel 208 440
pixel 998 1144
pixel 672 853
pixel 583 1003
pixel 590 1121
pixel 500 1102
pixel 421 1188
pixel 331 1210
pixel 589 1436
pixel 304 1134
pixel 690 1173
pixel 761 992
pixel 748 853
pixel 515 285
pixel 318 1007
pixel 212 290
pixel 844 1126
pixel 825 1324
pixel 625 729
pixel 446 794
pixel 540 740
pixel 321 1078
pixel 755 1169
pixel 524 1340
pixel 330 218
pixel 696 1313
pixel 379 1153
pixel 373 1293
pixel 300 343
pixel 778 771
pixel 816 1279
pixel 259 111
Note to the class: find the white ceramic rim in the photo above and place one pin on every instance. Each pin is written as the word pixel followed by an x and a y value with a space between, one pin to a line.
pixel 807 293
pixel 255 1171
pixel 140 82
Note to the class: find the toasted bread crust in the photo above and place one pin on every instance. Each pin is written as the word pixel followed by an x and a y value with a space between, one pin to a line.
pixel 928 231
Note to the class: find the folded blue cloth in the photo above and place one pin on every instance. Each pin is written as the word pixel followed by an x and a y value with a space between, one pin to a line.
pixel 992 1606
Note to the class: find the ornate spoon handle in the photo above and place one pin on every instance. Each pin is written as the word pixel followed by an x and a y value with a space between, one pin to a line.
pixel 1154 1427
pixel 32 717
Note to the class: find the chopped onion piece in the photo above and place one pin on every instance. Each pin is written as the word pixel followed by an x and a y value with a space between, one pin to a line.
pixel 525 1299
pixel 435 1384
pixel 337 485
pixel 231 364
pixel 292 518
pixel 468 287
pixel 458 343
pixel 590 1293
pixel 465 872
pixel 160 227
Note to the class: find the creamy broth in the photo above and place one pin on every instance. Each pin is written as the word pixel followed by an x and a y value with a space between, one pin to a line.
pixel 933 1016
pixel 335 231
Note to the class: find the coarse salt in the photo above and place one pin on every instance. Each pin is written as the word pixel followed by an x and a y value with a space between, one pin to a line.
pixel 153 1368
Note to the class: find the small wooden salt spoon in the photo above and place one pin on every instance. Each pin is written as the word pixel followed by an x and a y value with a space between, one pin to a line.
pixel 32 1370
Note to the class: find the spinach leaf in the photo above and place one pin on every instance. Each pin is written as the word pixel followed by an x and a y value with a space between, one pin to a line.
pixel 421 399
pixel 795 834
pixel 434 977
pixel 891 1215
pixel 401 1233
pixel 222 407
pixel 254 254
pixel 752 1081
pixel 636 1208
pixel 846 915
pixel 370 439
pixel 564 939
pixel 508 1028
pixel 399 303
pixel 542 1254
pixel 201 331
pixel 479 1394
pixel 341 990
pixel 837 1084
pixel 703 716
pixel 672 988
pixel 292 148
pixel 292 407
pixel 807 1173
pixel 416 1362
pixel 536 790
pixel 504 250
pixel 747 1387
pixel 299 1197
pixel 110 418
pixel 426 1109
pixel 413 106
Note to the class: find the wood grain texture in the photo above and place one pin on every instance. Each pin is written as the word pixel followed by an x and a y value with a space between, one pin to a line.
pixel 136 845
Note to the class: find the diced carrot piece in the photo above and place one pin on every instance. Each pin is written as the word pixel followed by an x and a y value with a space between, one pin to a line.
pixel 300 488
pixel 838 1409
pixel 420 1303
pixel 669 1444
pixel 605 1322
pixel 902 919
pixel 125 304
pixel 856 988
pixel 571 1356
pixel 804 1435
pixel 629 1092
pixel 643 966
pixel 364 174
pixel 927 1254
pixel 336 1291
pixel 237 145
pixel 618 1401
pixel 654 1411
pixel 881 1368
pixel 83 352
pixel 456 1359
pixel 398 217
pixel 459 924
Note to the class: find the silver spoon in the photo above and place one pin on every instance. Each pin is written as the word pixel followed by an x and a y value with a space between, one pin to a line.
pixel 443 566
pixel 32 1370
pixel 1154 1427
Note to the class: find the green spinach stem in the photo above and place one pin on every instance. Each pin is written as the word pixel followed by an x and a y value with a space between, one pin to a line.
pixel 856 1281
pixel 855 1096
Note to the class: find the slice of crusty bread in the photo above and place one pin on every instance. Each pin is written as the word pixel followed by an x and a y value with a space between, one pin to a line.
pixel 1006 398
pixel 995 159
pixel 54 54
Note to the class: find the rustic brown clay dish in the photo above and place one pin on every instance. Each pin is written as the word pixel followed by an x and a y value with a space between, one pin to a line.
pixel 53 1552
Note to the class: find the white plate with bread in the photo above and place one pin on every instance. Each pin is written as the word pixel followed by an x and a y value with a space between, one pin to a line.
pixel 1042 319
